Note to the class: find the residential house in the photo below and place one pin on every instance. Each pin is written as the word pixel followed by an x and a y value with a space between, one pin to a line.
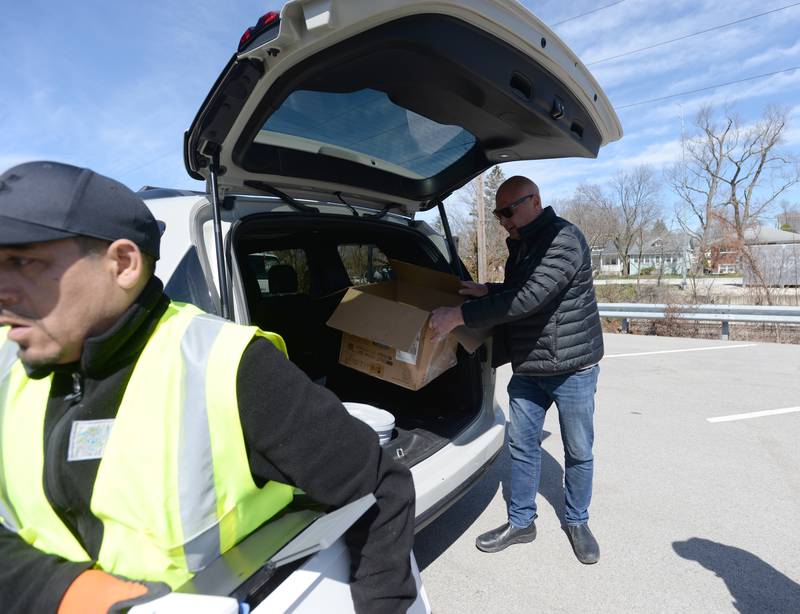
pixel 668 254
pixel 774 257
pixel 722 258
pixel 771 256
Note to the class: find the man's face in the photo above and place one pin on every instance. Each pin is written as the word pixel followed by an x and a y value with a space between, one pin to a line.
pixel 52 296
pixel 525 204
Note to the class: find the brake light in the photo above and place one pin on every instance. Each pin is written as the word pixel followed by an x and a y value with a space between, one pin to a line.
pixel 248 34
pixel 266 21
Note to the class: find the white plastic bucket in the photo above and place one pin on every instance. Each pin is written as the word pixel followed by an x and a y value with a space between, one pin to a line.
pixel 381 421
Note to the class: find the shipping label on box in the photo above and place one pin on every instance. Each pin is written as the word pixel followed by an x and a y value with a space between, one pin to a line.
pixel 375 359
pixel 409 357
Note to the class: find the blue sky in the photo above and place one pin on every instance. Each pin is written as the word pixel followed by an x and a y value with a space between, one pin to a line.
pixel 113 85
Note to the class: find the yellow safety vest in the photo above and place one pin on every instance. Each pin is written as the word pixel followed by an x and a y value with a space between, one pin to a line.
pixel 174 488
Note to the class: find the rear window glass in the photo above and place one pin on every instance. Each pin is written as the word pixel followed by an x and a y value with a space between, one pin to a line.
pixel 366 127
pixel 282 271
pixel 365 264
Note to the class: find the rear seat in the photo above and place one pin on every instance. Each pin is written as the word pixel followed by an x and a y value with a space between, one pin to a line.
pixel 285 311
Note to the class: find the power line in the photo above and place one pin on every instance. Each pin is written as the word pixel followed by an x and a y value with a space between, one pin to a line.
pixel 148 163
pixel 587 13
pixel 710 87
pixel 685 36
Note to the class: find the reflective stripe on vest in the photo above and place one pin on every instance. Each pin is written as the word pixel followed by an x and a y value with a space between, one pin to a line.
pixel 198 498
pixel 174 489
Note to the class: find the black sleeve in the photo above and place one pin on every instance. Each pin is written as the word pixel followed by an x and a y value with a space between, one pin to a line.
pixel 299 433
pixel 493 287
pixel 30 580
pixel 555 271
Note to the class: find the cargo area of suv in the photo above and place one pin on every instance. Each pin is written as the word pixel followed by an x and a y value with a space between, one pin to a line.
pixel 333 128
pixel 295 269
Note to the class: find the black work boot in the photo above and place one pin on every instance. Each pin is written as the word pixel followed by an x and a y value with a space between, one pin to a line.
pixel 583 543
pixel 502 537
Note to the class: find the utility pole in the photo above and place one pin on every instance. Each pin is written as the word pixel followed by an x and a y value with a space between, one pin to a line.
pixel 481 230
pixel 685 257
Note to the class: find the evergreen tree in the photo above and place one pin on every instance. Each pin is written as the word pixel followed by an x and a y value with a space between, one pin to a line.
pixel 467 229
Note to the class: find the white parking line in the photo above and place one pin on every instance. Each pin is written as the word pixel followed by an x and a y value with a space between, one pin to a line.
pixel 716 347
pixel 754 414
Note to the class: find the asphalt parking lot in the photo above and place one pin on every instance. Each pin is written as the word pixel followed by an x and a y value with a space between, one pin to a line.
pixel 696 501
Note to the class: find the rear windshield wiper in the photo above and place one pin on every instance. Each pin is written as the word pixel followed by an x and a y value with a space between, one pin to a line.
pixel 265 187
pixel 345 203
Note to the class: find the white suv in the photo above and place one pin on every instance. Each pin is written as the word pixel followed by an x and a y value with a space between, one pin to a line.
pixel 333 124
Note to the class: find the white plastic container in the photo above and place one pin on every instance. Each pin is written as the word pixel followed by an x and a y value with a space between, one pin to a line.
pixel 381 421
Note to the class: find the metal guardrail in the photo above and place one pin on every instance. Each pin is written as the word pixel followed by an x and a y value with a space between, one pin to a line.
pixel 725 314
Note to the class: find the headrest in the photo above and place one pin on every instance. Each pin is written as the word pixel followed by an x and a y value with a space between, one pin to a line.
pixel 282 279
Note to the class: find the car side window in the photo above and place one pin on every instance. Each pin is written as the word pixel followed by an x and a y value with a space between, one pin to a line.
pixel 188 284
pixel 365 263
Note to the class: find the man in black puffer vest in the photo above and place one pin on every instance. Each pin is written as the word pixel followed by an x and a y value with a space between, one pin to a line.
pixel 546 323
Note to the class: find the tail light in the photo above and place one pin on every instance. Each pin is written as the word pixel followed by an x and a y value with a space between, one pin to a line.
pixel 265 22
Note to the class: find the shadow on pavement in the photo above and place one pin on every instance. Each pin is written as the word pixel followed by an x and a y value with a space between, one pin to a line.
pixel 755 585
pixel 437 537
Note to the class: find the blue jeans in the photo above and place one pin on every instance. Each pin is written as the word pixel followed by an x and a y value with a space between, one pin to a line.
pixel 529 399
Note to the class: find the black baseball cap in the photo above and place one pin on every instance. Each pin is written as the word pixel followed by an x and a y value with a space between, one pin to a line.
pixel 45 201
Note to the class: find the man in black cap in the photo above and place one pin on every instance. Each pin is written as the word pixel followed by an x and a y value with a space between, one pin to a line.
pixel 139 438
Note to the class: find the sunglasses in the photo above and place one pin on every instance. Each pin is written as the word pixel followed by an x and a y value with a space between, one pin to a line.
pixel 508 211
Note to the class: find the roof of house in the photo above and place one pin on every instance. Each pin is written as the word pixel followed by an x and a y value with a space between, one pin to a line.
pixel 666 245
pixel 764 235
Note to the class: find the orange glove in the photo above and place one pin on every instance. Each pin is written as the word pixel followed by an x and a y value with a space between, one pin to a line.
pixel 98 592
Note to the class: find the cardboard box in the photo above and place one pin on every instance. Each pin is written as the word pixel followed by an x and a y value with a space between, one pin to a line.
pixel 385 326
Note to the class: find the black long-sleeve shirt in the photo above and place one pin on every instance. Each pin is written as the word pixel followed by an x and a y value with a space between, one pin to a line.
pixel 294 432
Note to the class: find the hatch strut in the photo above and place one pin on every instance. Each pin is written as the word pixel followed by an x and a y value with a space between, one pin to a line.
pixel 222 269
pixel 450 243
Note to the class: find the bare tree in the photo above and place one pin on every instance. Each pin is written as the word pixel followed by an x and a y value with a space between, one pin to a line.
pixel 495 236
pixel 731 177
pixel 588 211
pixel 757 172
pixel 496 248
pixel 630 205
pixel 696 180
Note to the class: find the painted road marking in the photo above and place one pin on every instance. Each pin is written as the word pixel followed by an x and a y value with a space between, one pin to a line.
pixel 716 347
pixel 754 414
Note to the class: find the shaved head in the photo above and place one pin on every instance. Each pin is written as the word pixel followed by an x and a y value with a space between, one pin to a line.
pixel 516 185
pixel 523 195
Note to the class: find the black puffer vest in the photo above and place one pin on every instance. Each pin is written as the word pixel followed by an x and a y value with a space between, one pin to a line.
pixel 544 313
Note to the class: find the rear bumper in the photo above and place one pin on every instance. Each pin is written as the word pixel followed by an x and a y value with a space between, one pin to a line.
pixel 442 479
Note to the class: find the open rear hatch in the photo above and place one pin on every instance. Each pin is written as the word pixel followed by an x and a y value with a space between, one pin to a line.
pixel 393 103
pixel 387 105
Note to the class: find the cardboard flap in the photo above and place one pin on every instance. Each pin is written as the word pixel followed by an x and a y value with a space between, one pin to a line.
pixel 471 338
pixel 378 319
pixel 424 297
pixel 422 276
